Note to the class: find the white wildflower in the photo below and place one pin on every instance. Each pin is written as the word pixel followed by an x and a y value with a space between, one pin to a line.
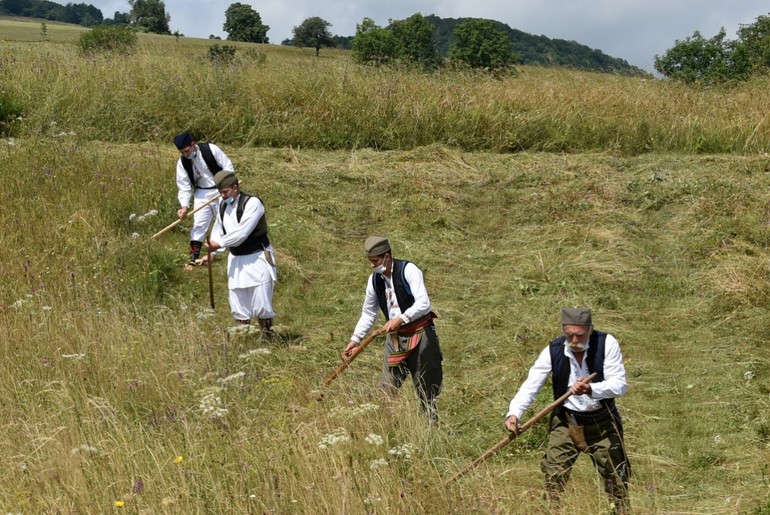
pixel 717 438
pixel 374 439
pixel 135 236
pixel 131 217
pixel 152 212
pixel 211 406
pixel 375 464
pixel 140 218
pixel 403 451
pixel 46 308
pixel 202 315
pixel 338 436
pixel 231 377
pixel 748 375
pixel 18 304
pixel 254 352
pixel 243 329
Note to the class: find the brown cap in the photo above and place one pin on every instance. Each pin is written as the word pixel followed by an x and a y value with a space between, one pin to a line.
pixel 376 246
pixel 225 179
pixel 576 316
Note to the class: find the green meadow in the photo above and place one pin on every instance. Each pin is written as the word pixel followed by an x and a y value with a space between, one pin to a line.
pixel 123 391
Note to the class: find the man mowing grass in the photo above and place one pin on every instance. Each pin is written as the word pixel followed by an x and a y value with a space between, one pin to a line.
pixel 397 288
pixel 588 421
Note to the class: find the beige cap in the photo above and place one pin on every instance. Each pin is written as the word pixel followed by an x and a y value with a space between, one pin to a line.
pixel 376 246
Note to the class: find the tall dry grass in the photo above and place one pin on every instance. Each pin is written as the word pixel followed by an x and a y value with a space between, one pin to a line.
pixel 273 96
pixel 122 390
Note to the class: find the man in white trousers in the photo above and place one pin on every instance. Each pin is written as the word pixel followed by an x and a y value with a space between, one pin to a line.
pixel 241 228
pixel 196 169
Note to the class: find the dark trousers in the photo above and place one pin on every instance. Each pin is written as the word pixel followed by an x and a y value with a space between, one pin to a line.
pixel 423 364
pixel 605 447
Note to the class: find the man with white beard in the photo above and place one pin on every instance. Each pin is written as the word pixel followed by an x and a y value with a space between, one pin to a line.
pixel 588 421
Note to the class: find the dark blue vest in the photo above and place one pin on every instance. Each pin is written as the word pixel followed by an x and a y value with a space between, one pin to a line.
pixel 594 358
pixel 400 285
pixel 208 158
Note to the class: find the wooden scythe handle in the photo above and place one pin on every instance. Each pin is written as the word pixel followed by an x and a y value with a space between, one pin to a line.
pixel 356 352
pixel 511 436
pixel 174 224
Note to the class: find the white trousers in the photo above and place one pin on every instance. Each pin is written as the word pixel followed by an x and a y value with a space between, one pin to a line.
pixel 252 302
pixel 203 218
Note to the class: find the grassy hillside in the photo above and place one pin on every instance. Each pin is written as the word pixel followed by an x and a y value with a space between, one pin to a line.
pixel 116 372
pixel 281 96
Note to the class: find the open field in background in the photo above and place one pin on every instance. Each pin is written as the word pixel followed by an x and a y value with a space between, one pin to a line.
pixel 118 384
pixel 282 96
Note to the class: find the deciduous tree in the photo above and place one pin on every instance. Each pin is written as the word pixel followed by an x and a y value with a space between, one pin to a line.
pixel 418 42
pixel 374 45
pixel 149 15
pixel 313 33
pixel 755 40
pixel 697 59
pixel 480 44
pixel 242 23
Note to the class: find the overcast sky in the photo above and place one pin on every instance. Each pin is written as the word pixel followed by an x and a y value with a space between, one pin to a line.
pixel 634 30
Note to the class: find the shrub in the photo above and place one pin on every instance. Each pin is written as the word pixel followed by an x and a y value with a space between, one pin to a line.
pixel 108 39
pixel 222 54
pixel 10 112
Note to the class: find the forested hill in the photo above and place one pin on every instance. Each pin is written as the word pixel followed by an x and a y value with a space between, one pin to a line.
pixel 543 51
pixel 534 50
pixel 79 14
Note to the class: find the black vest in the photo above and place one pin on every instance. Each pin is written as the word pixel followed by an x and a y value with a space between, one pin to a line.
pixel 257 240
pixel 208 158
pixel 401 287
pixel 560 369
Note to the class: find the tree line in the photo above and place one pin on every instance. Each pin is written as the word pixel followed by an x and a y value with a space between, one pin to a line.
pixel 716 60
pixel 425 41
pixel 79 14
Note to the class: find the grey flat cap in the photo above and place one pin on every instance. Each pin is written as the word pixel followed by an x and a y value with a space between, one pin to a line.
pixel 576 316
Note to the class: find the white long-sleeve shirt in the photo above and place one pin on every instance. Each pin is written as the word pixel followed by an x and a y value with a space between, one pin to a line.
pixel 203 176
pixel 251 269
pixel 613 385
pixel 371 308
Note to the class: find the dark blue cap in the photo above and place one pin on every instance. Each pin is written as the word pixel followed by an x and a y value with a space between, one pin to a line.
pixel 183 140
